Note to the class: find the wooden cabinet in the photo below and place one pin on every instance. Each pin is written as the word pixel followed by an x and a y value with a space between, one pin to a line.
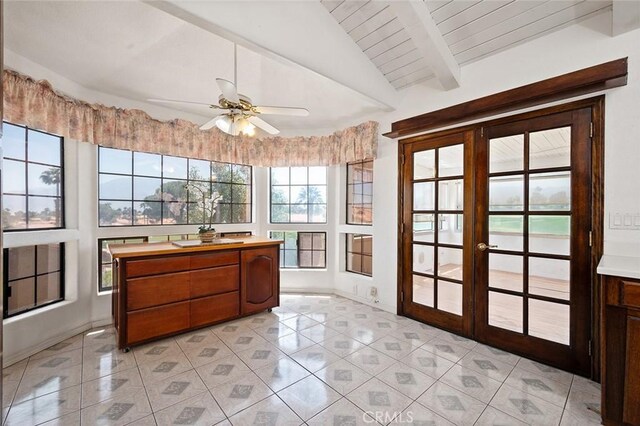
pixel 260 283
pixel 161 290
pixel 620 349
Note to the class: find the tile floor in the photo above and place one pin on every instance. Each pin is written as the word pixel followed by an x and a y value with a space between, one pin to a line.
pixel 316 360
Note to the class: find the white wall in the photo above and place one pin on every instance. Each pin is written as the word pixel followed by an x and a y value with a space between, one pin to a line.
pixel 567 50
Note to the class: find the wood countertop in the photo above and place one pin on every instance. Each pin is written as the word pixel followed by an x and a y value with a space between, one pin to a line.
pixel 121 251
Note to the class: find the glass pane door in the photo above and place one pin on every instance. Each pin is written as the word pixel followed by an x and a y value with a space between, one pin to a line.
pixel 527 252
pixel 438 231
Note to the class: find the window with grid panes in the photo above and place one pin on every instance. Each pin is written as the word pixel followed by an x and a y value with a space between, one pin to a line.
pixel 33 277
pixel 302 250
pixel 298 194
pixel 137 189
pixel 360 254
pixel 360 193
pixel 32 179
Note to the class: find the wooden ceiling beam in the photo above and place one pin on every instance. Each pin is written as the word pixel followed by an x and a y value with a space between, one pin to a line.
pixel 581 82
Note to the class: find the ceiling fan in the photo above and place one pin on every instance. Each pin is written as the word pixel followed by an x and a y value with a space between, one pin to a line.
pixel 237 112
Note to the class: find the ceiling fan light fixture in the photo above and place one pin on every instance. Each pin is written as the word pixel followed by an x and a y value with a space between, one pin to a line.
pixel 224 123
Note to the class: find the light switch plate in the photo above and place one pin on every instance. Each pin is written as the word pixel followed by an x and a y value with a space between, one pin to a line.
pixel 624 220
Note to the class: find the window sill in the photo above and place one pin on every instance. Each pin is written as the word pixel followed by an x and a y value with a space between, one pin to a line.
pixel 303 270
pixel 36 312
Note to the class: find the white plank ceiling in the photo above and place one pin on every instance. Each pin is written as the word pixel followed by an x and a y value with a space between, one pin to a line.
pixel 473 29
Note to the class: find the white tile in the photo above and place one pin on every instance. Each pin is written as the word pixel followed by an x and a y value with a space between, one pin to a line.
pixel 300 322
pixel 342 412
pixel 197 339
pixel 585 405
pixel 120 410
pixel 319 333
pixel 452 404
pixel 222 371
pixel 243 340
pixel 458 340
pixel 107 387
pixel 293 343
pixel 274 331
pixel 525 407
pixel 241 393
pixel 106 364
pixel 493 417
pixel 308 397
pixel 314 358
pixel 72 419
pixel 546 371
pixel 365 334
pixel 343 376
pixel 445 349
pixel 269 411
pixel 342 345
pixel 370 360
pixel 100 336
pixel 201 410
pixel 163 368
pixel 175 389
pixel 535 384
pixel 67 345
pixel 35 385
pixel 44 408
pixel 281 374
pixel 376 398
pixel 496 353
pixel 392 347
pixel 490 367
pixel 156 350
pixel 261 355
pixel 428 362
pixel 471 382
pixel 50 364
pixel 405 379
pixel 210 352
pixel 417 414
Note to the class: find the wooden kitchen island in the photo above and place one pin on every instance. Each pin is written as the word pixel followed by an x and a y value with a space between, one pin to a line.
pixel 160 289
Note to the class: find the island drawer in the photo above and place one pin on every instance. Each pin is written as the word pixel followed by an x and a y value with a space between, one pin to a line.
pixel 157 290
pixel 211 260
pixel 208 310
pixel 155 322
pixel 140 268
pixel 206 282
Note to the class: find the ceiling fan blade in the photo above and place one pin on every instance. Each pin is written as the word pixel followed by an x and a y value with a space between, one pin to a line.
pixel 210 124
pixel 259 122
pixel 228 89
pixel 171 101
pixel 275 110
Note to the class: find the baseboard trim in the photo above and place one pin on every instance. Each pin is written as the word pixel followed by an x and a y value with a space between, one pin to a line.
pixel 10 359
pixel 295 290
pixel 351 296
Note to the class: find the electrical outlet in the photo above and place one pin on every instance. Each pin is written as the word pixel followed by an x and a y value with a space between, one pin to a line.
pixel 373 292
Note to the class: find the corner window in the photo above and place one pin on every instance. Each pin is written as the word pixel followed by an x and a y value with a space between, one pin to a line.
pixel 360 254
pixel 105 277
pixel 32 179
pixel 33 277
pixel 302 250
pixel 360 193
pixel 137 189
pixel 298 195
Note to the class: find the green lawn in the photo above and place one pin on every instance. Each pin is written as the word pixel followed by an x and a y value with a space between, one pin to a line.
pixel 548 225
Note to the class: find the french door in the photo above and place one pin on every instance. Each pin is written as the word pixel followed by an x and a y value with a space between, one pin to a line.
pixel 495 237
pixel 437 235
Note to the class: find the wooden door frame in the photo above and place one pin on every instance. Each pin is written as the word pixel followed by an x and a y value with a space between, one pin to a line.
pixel 597 105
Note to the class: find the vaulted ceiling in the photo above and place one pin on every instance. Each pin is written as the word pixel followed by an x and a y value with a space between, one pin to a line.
pixel 343 60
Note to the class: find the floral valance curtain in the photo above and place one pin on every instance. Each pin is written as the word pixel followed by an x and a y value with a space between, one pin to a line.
pixel 36 104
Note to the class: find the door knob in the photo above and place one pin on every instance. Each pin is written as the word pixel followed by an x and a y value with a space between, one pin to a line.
pixel 483 246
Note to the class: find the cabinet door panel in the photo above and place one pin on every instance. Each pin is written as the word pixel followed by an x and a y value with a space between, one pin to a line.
pixel 157 290
pixel 205 282
pixel 260 279
pixel 208 310
pixel 632 383
pixel 157 322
